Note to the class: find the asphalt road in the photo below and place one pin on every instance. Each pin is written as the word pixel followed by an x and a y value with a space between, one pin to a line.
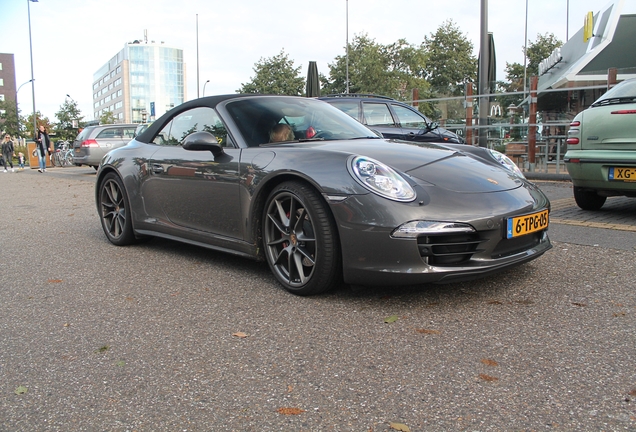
pixel 148 338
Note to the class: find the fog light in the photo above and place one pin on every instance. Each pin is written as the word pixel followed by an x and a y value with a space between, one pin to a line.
pixel 415 228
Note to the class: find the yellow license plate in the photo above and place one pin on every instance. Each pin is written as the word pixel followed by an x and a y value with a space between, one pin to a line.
pixel 522 225
pixel 622 174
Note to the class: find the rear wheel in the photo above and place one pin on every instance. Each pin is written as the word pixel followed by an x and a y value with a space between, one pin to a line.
pixel 588 200
pixel 300 239
pixel 114 211
pixel 56 159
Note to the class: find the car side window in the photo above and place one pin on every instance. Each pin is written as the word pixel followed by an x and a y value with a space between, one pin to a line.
pixel 409 118
pixel 377 114
pixel 129 133
pixel 194 120
pixel 109 133
pixel 351 108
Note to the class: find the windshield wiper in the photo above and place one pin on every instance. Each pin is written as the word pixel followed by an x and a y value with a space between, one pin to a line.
pixel 365 137
pixel 310 139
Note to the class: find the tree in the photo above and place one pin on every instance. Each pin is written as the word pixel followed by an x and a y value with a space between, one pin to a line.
pixel 9 118
pixel 450 60
pixel 539 50
pixel 69 120
pixel 367 69
pixel 389 70
pixel 536 52
pixel 107 118
pixel 275 75
pixel 41 121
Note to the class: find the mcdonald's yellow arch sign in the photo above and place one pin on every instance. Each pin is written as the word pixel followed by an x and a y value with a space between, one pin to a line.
pixel 588 27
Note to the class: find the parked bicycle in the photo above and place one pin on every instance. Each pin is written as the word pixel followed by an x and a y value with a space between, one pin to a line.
pixel 63 154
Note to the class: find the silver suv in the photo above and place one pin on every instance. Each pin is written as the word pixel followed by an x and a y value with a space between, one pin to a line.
pixel 94 142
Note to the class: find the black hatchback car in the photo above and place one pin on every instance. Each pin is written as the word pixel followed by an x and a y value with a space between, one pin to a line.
pixel 392 118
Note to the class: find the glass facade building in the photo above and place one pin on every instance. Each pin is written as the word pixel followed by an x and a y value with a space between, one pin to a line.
pixel 140 83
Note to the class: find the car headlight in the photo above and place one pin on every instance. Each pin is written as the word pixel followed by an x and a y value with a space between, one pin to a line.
pixel 381 179
pixel 506 162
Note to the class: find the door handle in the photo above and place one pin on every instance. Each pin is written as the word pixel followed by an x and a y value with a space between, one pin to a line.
pixel 157 168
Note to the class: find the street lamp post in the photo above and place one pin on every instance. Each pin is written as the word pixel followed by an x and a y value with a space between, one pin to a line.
pixel 204 86
pixel 347 48
pixel 17 112
pixel 35 120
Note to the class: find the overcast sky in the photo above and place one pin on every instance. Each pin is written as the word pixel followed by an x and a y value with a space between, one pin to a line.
pixel 73 38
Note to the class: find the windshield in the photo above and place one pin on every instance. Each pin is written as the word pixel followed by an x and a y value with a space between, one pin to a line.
pixel 623 92
pixel 274 119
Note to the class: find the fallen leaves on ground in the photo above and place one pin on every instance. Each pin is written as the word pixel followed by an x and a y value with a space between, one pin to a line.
pixel 55 280
pixel 400 427
pixel 20 390
pixel 240 334
pixel 489 362
pixel 488 378
pixel 579 304
pixel 391 319
pixel 102 349
pixel 290 411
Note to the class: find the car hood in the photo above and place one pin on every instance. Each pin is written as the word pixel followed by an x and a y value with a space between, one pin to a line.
pixel 435 164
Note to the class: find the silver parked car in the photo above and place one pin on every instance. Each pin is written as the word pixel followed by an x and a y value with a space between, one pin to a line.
pixel 94 142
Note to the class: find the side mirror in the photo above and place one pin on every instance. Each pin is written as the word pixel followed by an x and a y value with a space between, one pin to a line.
pixel 202 141
pixel 433 125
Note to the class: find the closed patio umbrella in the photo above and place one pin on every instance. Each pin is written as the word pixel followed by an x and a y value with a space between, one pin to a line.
pixel 313 82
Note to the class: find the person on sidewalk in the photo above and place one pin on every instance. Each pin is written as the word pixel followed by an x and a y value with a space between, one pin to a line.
pixel 7 152
pixel 21 161
pixel 43 146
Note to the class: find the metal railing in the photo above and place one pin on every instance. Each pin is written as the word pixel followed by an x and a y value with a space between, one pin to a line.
pixel 512 127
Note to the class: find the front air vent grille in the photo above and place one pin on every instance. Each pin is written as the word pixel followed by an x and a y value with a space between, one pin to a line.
pixel 449 249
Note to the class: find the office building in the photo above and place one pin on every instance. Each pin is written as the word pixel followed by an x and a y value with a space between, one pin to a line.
pixel 7 78
pixel 140 83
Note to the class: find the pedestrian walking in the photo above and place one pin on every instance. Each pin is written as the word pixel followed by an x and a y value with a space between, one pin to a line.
pixel 7 152
pixel 43 146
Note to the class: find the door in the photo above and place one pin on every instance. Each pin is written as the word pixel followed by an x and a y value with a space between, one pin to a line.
pixel 378 116
pixel 195 189
pixel 414 125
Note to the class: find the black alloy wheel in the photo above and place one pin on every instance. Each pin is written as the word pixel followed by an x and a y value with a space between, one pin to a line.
pixel 588 200
pixel 114 211
pixel 300 239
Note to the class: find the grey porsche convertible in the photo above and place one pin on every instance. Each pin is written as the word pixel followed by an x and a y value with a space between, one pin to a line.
pixel 320 197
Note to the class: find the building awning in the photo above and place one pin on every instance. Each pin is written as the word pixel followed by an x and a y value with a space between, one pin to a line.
pixel 586 63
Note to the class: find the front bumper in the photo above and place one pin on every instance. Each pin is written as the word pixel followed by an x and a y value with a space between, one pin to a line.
pixel 372 257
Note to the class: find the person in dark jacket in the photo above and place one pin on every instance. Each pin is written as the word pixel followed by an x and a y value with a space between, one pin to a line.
pixel 7 152
pixel 42 146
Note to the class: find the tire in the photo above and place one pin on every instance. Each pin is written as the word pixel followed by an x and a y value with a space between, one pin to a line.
pixel 56 159
pixel 300 240
pixel 114 211
pixel 588 200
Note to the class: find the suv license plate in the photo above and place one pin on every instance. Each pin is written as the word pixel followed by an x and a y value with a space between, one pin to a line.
pixel 522 225
pixel 622 174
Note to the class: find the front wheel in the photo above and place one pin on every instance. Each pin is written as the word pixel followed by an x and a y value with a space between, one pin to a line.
pixel 114 211
pixel 588 200
pixel 301 240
